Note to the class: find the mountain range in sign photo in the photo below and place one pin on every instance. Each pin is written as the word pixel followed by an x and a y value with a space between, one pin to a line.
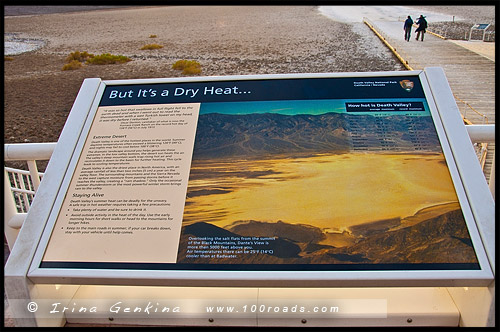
pixel 249 135
pixel 328 188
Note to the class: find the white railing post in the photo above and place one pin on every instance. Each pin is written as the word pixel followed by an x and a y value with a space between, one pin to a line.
pixel 22 186
pixel 35 177
pixel 484 134
pixel 10 211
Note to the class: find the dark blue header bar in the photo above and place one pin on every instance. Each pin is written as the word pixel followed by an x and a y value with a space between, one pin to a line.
pixel 386 106
pixel 269 89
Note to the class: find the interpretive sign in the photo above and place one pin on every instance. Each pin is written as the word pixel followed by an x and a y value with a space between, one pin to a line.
pixel 330 173
pixel 479 27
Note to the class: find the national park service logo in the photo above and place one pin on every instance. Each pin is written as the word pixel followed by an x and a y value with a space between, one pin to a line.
pixel 406 84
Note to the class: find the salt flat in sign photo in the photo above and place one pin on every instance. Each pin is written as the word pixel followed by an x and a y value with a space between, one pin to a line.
pixel 263 180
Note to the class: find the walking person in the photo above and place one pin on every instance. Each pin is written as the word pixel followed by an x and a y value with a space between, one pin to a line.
pixel 407 28
pixel 422 25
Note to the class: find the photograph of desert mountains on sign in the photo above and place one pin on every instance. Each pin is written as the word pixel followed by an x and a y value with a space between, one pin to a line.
pixel 316 182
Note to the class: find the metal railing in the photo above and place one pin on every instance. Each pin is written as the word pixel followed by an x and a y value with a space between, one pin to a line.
pixel 23 187
pixel 484 118
pixel 20 186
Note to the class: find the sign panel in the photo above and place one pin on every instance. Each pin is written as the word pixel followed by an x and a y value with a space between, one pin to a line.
pixel 481 26
pixel 340 173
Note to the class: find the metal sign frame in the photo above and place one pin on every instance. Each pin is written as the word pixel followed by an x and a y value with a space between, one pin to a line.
pixel 460 163
pixel 479 27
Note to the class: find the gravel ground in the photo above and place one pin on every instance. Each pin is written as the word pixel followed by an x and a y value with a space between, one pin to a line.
pixel 40 10
pixel 225 40
pixel 473 14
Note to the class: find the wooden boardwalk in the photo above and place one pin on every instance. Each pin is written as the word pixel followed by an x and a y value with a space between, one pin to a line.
pixel 471 75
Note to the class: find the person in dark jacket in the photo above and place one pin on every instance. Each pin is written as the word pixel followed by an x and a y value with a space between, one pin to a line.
pixel 422 25
pixel 407 27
